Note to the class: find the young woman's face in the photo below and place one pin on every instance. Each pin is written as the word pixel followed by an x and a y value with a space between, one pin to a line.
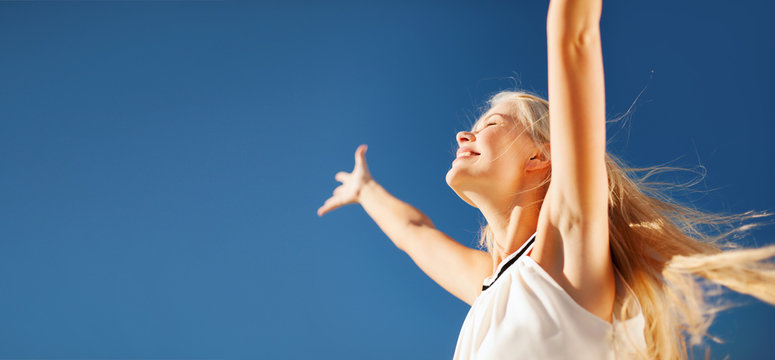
pixel 492 157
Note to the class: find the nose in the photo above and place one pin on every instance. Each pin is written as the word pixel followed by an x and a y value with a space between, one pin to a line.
pixel 465 136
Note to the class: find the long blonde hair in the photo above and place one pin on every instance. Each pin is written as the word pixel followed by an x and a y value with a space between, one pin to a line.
pixel 666 252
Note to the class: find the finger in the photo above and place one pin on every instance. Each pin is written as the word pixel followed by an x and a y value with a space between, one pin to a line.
pixel 341 176
pixel 329 205
pixel 360 155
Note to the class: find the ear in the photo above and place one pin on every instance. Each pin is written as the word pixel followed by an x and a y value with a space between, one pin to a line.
pixel 538 160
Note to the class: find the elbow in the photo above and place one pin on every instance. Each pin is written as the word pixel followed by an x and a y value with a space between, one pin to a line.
pixel 421 221
pixel 585 38
pixel 574 14
pixel 572 26
pixel 576 37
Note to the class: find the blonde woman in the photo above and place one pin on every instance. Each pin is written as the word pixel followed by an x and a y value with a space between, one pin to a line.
pixel 583 261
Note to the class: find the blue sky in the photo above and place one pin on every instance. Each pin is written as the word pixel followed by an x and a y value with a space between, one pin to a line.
pixel 161 162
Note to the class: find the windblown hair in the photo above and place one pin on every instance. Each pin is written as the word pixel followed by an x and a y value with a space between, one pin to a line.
pixel 671 255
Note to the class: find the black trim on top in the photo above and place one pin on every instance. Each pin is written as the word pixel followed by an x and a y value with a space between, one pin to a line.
pixel 510 262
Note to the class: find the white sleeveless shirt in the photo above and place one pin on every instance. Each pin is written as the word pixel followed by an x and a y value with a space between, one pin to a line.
pixel 522 313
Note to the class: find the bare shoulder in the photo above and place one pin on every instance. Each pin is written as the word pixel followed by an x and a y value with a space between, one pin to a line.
pixel 574 251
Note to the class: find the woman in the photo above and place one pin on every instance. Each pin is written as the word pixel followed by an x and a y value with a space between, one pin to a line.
pixel 582 261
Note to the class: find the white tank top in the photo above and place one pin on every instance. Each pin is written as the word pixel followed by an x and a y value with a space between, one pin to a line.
pixel 522 313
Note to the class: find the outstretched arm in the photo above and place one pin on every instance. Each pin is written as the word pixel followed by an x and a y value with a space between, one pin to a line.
pixel 575 214
pixel 457 268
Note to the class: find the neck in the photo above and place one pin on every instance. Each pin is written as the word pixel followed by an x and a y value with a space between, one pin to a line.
pixel 512 222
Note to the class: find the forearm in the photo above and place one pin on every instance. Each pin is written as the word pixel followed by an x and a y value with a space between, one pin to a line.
pixel 397 219
pixel 573 17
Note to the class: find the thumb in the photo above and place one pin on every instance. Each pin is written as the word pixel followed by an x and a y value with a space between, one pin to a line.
pixel 360 156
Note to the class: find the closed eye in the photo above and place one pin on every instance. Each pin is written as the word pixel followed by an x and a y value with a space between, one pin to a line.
pixel 484 126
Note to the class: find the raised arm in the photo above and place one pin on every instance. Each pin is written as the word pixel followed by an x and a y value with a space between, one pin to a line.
pixel 574 220
pixel 577 105
pixel 457 268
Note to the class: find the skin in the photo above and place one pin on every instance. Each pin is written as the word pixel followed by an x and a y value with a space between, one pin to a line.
pixel 352 183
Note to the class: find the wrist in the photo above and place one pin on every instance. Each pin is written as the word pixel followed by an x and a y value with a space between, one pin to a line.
pixel 368 187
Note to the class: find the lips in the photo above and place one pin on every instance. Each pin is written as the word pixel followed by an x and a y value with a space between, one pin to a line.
pixel 466 152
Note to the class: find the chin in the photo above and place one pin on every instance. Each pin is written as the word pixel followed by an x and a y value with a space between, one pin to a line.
pixel 449 177
pixel 455 181
pixel 455 177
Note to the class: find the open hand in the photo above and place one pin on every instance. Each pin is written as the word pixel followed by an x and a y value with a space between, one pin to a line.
pixel 352 183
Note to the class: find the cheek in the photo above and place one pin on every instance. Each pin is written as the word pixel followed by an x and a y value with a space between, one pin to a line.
pixel 505 168
pixel 502 148
pixel 504 159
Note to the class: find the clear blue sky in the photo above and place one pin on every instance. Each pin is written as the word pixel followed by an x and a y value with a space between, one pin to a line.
pixel 161 162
